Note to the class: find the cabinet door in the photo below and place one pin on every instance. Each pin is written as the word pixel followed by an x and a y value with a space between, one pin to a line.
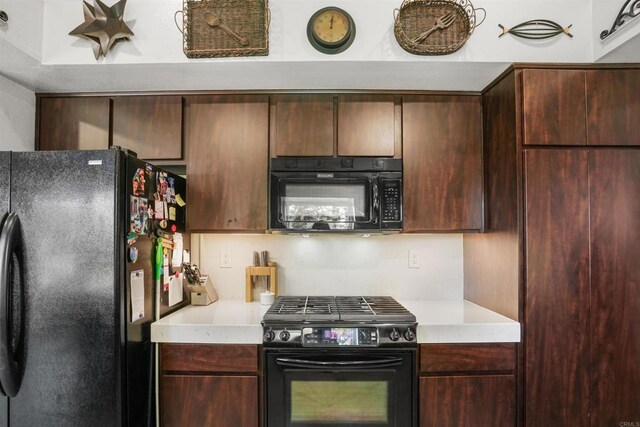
pixel 304 125
pixel 366 126
pixel 221 401
pixel 557 288
pixel 614 177
pixel 74 123
pixel 481 400
pixel 554 107
pixel 442 146
pixel 227 158
pixel 613 107
pixel 149 125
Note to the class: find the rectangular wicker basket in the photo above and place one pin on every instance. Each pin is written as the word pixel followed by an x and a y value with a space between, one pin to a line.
pixel 248 18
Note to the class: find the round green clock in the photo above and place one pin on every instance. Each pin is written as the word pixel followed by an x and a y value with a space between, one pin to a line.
pixel 331 30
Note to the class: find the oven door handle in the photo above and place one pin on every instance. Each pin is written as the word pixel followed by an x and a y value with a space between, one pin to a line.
pixel 357 364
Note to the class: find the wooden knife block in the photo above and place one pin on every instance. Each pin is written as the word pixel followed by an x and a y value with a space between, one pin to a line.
pixel 270 272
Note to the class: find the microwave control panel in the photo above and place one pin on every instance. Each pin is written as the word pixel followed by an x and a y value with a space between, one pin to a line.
pixel 391 200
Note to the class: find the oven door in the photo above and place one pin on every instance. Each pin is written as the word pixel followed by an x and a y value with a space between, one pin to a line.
pixel 310 202
pixel 339 388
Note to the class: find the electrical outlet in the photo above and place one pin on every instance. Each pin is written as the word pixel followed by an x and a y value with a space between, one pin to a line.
pixel 225 258
pixel 414 259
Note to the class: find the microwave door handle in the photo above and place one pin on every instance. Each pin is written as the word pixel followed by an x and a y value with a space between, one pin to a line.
pixel 376 204
pixel 320 365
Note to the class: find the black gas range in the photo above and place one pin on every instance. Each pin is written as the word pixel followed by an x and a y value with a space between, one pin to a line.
pixel 339 361
pixel 329 322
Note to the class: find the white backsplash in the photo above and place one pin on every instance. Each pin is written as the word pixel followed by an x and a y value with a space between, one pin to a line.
pixel 339 265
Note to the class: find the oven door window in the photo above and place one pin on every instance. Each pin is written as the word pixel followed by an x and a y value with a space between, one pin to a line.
pixel 343 398
pixel 337 204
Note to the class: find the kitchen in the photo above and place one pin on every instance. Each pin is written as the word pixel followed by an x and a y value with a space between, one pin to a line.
pixel 512 305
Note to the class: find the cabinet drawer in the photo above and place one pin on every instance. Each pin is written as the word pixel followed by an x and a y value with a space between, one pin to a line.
pixel 467 357
pixel 209 358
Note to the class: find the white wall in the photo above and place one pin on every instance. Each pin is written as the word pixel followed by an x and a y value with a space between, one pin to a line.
pixel 339 265
pixel 24 27
pixel 157 39
pixel 17 117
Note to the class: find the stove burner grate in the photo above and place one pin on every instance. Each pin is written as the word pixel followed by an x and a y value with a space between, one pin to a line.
pixel 323 308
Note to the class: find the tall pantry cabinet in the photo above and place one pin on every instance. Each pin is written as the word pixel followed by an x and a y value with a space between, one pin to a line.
pixel 578 215
pixel 582 286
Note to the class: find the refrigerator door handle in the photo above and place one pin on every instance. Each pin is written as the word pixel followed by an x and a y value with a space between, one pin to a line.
pixel 10 245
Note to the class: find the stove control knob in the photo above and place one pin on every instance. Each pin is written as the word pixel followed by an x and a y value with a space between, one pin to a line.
pixel 409 335
pixel 269 336
pixel 394 335
pixel 284 335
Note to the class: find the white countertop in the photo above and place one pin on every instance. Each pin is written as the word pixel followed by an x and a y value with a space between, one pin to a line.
pixel 237 322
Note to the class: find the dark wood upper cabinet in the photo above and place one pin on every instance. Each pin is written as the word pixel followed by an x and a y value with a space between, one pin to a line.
pixel 614 181
pixel 303 125
pixel 554 107
pixel 442 157
pixel 227 158
pixel 74 123
pixel 366 125
pixel 149 125
pixel 311 125
pixel 557 288
pixel 613 107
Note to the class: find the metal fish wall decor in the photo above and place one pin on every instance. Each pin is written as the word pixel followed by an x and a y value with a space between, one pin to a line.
pixel 536 29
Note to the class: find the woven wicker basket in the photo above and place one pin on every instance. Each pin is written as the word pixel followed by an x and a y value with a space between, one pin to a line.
pixel 417 16
pixel 248 18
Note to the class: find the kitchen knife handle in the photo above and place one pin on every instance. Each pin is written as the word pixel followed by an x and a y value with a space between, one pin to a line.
pixel 10 246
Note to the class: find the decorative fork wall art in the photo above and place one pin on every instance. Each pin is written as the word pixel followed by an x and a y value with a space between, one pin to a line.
pixel 435 27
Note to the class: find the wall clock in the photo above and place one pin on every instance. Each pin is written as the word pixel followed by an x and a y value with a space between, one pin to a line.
pixel 331 30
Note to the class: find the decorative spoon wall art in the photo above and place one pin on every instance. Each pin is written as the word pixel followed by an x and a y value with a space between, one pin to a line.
pixel 536 29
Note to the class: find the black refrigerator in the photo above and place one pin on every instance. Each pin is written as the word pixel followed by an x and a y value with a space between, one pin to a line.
pixel 85 238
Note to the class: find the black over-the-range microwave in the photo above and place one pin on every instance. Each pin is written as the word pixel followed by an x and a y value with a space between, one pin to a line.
pixel 335 194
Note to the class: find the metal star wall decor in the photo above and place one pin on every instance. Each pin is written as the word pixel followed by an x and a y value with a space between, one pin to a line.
pixel 103 25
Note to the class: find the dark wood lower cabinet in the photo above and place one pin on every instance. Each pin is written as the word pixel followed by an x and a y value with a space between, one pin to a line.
pixel 206 400
pixel 480 400
pixel 467 385
pixel 209 385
